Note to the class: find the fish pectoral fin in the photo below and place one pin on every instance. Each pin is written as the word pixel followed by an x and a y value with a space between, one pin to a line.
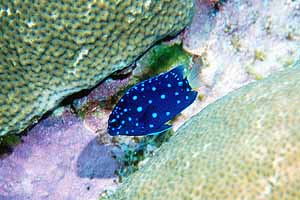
pixel 161 129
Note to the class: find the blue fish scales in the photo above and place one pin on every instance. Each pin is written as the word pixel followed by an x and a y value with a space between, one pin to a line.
pixel 149 105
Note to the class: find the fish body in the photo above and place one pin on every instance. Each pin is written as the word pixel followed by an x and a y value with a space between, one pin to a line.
pixel 147 106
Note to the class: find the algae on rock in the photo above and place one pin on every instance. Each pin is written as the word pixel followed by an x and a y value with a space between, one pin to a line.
pixel 50 49
pixel 244 146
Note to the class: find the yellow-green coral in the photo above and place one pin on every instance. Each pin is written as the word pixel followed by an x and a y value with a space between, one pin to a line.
pixel 244 146
pixel 50 49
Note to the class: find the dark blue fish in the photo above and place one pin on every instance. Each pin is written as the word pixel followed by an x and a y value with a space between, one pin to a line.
pixel 147 106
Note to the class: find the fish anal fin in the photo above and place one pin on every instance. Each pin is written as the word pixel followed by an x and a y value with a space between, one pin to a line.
pixel 159 130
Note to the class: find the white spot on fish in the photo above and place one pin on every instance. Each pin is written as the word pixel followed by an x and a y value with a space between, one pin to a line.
pixel 139 109
pixel 154 115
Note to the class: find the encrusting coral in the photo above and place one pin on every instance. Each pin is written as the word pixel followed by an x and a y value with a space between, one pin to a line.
pixel 51 49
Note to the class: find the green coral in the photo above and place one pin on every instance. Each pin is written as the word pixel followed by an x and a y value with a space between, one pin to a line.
pixel 133 153
pixel 161 58
pixel 7 142
pixel 50 49
pixel 158 59
pixel 244 146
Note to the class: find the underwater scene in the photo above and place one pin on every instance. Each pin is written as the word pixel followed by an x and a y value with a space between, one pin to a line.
pixel 150 100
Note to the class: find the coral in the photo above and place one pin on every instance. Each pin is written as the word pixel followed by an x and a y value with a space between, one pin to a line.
pixel 50 49
pixel 244 146
pixel 159 59
pixel 135 152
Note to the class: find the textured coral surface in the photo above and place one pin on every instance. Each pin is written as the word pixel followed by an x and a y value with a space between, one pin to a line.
pixel 245 41
pixel 50 49
pixel 244 146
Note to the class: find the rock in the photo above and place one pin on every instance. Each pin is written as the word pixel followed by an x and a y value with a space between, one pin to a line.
pixel 244 146
pixel 50 50
pixel 58 159
pixel 243 42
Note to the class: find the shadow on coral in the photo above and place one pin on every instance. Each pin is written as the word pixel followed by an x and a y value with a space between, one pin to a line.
pixel 95 161
pixel 2 197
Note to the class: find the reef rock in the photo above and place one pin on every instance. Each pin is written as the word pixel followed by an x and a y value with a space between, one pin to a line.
pixel 244 41
pixel 58 159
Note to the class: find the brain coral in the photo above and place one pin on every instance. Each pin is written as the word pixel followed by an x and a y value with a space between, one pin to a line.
pixel 50 49
pixel 244 146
